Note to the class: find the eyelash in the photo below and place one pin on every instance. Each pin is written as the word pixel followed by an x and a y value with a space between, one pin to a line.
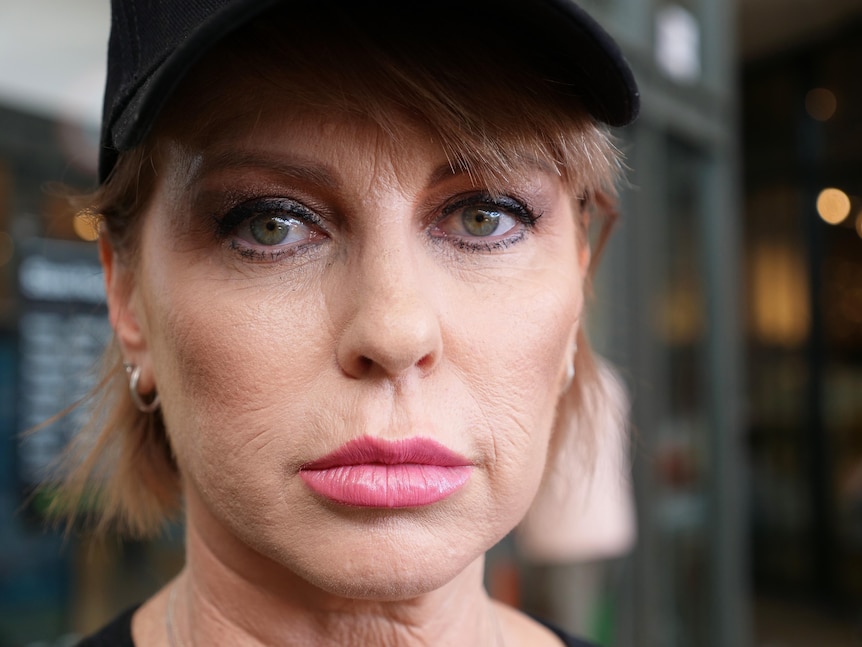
pixel 227 224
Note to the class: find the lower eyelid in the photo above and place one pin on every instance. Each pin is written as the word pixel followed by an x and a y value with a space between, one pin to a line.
pixel 270 254
pixel 484 245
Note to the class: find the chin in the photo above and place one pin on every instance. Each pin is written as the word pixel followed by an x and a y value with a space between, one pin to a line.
pixel 384 584
pixel 387 558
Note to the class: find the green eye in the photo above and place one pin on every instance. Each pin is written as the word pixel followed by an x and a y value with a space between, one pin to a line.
pixel 269 230
pixel 484 220
pixel 479 221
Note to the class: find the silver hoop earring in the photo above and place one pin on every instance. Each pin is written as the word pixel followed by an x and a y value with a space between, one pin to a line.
pixel 134 376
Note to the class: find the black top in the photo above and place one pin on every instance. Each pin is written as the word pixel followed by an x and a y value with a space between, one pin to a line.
pixel 119 633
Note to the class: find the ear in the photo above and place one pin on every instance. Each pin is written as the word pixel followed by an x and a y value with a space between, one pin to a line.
pixel 584 257
pixel 124 312
pixel 583 219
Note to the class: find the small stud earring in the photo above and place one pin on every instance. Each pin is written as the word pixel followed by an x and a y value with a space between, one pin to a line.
pixel 570 368
pixel 570 375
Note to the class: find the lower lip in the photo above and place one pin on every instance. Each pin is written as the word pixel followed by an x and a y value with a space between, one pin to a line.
pixel 373 485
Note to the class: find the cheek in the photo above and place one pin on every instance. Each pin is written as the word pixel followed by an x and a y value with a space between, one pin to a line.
pixel 235 371
pixel 511 373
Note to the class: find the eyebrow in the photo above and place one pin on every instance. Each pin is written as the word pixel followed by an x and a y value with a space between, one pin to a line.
pixel 444 172
pixel 293 167
pixel 307 170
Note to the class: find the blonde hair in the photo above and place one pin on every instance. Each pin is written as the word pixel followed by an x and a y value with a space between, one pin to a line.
pixel 496 114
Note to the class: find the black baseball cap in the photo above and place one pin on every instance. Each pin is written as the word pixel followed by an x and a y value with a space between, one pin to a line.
pixel 154 44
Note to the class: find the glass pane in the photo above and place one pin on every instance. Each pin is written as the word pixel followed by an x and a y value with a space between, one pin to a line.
pixel 682 442
pixel 678 44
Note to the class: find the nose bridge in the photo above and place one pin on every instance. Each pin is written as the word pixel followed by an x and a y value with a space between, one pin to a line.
pixel 393 325
pixel 391 279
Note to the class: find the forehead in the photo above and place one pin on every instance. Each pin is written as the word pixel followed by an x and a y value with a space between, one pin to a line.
pixel 227 116
pixel 325 150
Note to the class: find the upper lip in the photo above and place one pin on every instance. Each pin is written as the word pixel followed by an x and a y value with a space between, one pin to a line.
pixel 371 450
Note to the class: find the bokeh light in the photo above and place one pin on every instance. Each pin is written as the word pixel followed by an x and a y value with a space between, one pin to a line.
pixel 833 205
pixel 821 104
pixel 86 225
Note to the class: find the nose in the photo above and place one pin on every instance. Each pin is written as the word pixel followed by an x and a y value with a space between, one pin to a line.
pixel 393 326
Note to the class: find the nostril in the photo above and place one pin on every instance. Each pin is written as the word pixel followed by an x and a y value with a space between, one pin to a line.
pixel 364 364
pixel 358 367
pixel 388 333
pixel 425 362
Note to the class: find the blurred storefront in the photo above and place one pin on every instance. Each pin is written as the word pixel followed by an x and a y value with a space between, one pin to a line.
pixel 52 323
pixel 734 314
pixel 52 331
pixel 669 315
pixel 725 298
pixel 803 223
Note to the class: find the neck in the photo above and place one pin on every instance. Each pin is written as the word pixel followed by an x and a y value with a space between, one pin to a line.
pixel 231 594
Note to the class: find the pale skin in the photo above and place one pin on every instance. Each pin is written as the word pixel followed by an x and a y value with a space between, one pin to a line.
pixel 382 317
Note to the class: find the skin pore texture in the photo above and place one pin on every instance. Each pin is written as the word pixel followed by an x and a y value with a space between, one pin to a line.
pixel 387 311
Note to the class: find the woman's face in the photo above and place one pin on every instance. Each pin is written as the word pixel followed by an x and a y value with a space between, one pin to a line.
pixel 314 300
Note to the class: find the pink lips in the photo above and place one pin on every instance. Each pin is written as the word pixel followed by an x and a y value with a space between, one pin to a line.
pixel 375 473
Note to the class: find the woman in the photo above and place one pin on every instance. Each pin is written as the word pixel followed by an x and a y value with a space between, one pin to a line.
pixel 345 248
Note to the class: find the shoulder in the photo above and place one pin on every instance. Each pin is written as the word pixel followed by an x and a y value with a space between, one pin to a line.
pixel 117 633
pixel 532 631
pixel 567 639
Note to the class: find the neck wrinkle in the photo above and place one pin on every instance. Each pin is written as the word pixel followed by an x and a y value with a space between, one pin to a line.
pixel 228 595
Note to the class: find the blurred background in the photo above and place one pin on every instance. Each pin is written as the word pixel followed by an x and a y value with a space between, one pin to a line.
pixel 730 299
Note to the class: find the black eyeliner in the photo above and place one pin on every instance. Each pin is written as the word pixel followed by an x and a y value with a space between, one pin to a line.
pixel 284 207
